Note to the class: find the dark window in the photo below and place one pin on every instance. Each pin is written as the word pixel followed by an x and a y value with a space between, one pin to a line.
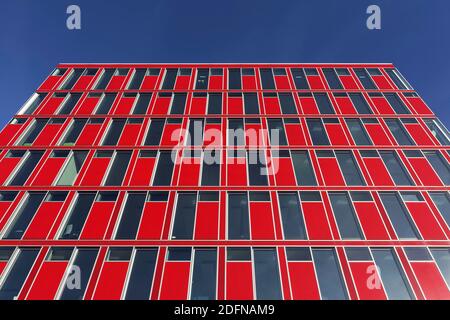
pixel 276 132
pixel 267 277
pixel 114 132
pixel 257 171
pixel 78 215
pixel 202 79
pixel 418 254
pixel 70 103
pixel 442 202
pixel 26 168
pixel 323 103
pixel 358 132
pixel 401 221
pixel 358 254
pixel 349 168
pixel 236 135
pixel 34 103
pixel 396 103
pixel 439 165
pixel 298 254
pixel 239 254
pixel 164 169
pixel 106 103
pixel 183 225
pixel 211 171
pixel 204 275
pixel 291 213
pixel 131 216
pixel 238 218
pixel 399 132
pixel 33 132
pixel 178 103
pixel 396 169
pixel 104 79
pixel 74 131
pixel 360 103
pixel 303 168
pixel 251 103
pixel 169 79
pixel 287 103
pixel 332 78
pixel 142 103
pixel 267 81
pixel 71 79
pixel 438 130
pixel 154 132
pixel 118 168
pixel 136 81
pixel 234 78
pixel 365 79
pixel 300 79
pixel 196 132
pixel 345 216
pixel 215 103
pixel 85 260
pixel 179 254
pixel 442 258
pixel 398 79
pixel 329 275
pixel 141 275
pixel 317 132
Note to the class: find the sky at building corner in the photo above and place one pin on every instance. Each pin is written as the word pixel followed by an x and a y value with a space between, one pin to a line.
pixel 34 38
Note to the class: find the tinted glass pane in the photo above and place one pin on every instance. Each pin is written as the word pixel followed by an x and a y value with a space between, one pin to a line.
pixel 70 103
pixel 238 219
pixel 25 170
pixel 398 79
pixel 287 103
pixel 136 81
pixel 396 103
pixel 71 79
pixel 74 131
pixel 360 103
pixel 438 131
pixel 396 168
pixel 210 171
pixel 163 175
pixel 349 168
pixel 257 171
pixel 358 132
pixel 33 132
pixel 365 79
pixel 291 213
pixel 178 103
pixel 317 132
pixel 332 78
pixel 267 78
pixel 154 133
pixel 401 221
pixel 442 257
pixel 118 168
pixel 141 275
pixel 78 216
pixel 34 103
pixel 169 79
pixel 251 103
pixel 204 275
pixel 215 103
pixel 104 80
pixel 131 216
pixel 234 78
pixel 183 226
pixel 323 103
pixel 142 103
pixel 195 132
pixel 114 132
pixel 202 79
pixel 399 132
pixel 276 132
pixel 236 132
pixel 267 277
pixel 304 171
pixel 440 165
pixel 345 216
pixel 299 79
pixel 442 201
pixel 106 103
pixel 329 275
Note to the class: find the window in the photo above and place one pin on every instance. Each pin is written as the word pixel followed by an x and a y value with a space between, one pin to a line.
pixel 114 132
pixel 104 79
pixel 442 258
pixel 179 103
pixel 332 78
pixel 399 132
pixel 202 79
pixel 442 202
pixel 251 103
pixel 24 215
pixel 72 168
pixel 394 280
pixel 215 103
pixel 292 217
pixel 141 274
pixel 13 282
pixel 142 103
pixel 358 132
pixel 349 168
pixel 238 217
pixel 267 81
pixel 154 132
pixel 118 168
pixel 400 219
pixel 203 285
pixel 131 216
pixel 74 132
pixel 69 103
pixel 164 169
pixel 438 130
pixel 234 79
pixel 398 79
pixel 169 79
pixel 287 103
pixel 105 103
pixel 257 171
pixel 29 164
pixel 439 165
pixel 317 132
pixel 276 132
pixel 183 225
pixel 137 78
pixel 360 104
pixel 71 79
pixel 33 103
pixel 303 168
pixel 396 103
pixel 365 79
pixel 196 127
pixel 323 103
pixel 236 135
pixel 300 79
pixel 211 171
pixel 345 216
pixel 396 169
pixel 331 283
pixel 267 276
pixel 75 222
pixel 84 260
pixel 33 132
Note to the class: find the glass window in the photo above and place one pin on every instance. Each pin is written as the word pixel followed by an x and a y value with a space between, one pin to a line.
pixel 398 79
pixel 106 103
pixel 33 132
pixel 183 225
pixel 400 219
pixel 84 260
pixel 317 132
pixel 154 132
pixel 394 280
pixel 164 169
pixel 396 103
pixel 72 168
pixel 33 103
pixel 399 132
pixel 13 282
pixel 287 103
pixel 196 132
pixel 276 132
pixel 29 164
pixel 104 79
pixel 119 254
pixel 439 165
pixel 214 103
pixel 69 103
pixel 71 79
pixel 131 216
pixel 234 78
pixel 78 215
pixel 298 254
pixel 24 215
pixel 202 79
pixel 142 103
pixel 360 104
pixel 251 103
pixel 323 103
pixel 303 168
pixel 74 132
pixel 267 276
pixel 238 218
pixel 417 254
pixel 358 254
pixel 179 254
pixel 292 216
pixel 365 79
pixel 257 171
pixel 211 171
pixel 137 78
pixel 438 130
pixel 178 103
pixel 332 78
pixel 267 81
pixel 118 168
pixel 331 283
pixel 349 168
pixel 203 285
pixel 396 168
pixel 141 274
pixel 442 202
pixel 358 132
pixel 114 132
pixel 300 79
pixel 236 134
pixel 442 258
pixel 345 216
pixel 169 79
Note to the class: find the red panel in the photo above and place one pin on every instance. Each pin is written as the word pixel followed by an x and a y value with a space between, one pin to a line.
pixel 294 133
pixel 142 172
pixel 315 82
pixel 430 280
pixel 207 221
pixel 418 134
pixel 94 174
pixel 87 106
pixel 189 172
pixel 272 105
pixel 303 281
pixel 382 105
pixel 198 105
pixel 248 83
pixel 378 172
pixel 162 105
pixel 116 83
pixel 239 281
pixel 8 133
pixel 182 82
pixel 237 172
pixel 49 83
pixel 282 82
pixel 331 172
pixel 3 207
pixel 49 171
pixel 381 82
pixel 82 83
pixel 261 221
pixel 284 175
pixel 309 105
pixel 425 221
pixel 7 165
pixel 88 135
pixel 51 105
pixel 425 172
pixel 419 106
pixel 377 134
pixel 124 105
pixel 371 221
pixel 97 221
pixel 367 281
pixel 149 82
pixel 348 82
pixel 336 134
pixel 43 220
pixel 171 135
pixel 215 83
pixel 111 281
pixel 235 105
pixel 2 266
pixel 345 105
pixel 316 221
pixel 130 134
pixel 175 281
pixel 47 135
pixel 47 281
pixel 152 221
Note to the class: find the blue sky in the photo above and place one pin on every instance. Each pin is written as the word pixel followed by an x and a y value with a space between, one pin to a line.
pixel 414 36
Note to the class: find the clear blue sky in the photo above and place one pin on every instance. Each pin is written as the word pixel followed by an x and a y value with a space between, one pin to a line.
pixel 414 36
